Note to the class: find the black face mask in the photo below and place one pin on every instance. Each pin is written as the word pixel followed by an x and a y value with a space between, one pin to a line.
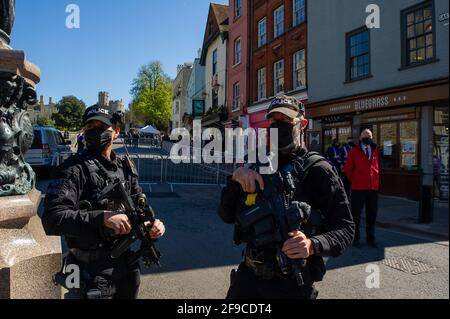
pixel 366 141
pixel 288 136
pixel 98 139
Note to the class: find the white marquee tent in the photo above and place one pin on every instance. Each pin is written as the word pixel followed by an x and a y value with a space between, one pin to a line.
pixel 149 130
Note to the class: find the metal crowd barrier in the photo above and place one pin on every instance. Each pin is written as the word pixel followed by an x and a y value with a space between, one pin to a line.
pixel 142 143
pixel 160 168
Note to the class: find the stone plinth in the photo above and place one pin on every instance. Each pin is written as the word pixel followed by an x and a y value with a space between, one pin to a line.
pixel 28 258
pixel 13 61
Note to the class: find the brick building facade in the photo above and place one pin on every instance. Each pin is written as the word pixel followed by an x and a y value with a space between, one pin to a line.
pixel 238 62
pixel 278 32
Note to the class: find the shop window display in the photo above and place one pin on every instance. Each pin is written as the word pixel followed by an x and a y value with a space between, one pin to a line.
pixel 409 152
pixel 388 146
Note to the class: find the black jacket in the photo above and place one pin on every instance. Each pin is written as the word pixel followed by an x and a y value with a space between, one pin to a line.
pixel 322 190
pixel 73 183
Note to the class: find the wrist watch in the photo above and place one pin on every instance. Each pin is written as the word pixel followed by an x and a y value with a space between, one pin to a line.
pixel 317 247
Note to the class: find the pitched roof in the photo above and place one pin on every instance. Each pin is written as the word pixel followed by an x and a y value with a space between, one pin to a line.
pixel 221 13
pixel 216 25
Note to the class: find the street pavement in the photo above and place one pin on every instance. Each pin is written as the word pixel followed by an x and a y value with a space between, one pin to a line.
pixel 401 213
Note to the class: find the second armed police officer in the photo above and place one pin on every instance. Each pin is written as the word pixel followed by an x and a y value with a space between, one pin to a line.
pixel 88 223
pixel 259 276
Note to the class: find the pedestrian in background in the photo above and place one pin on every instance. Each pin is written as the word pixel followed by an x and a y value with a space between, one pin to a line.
pixel 362 170
pixel 333 155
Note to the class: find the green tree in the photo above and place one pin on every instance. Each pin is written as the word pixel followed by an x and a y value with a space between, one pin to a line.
pixel 152 96
pixel 70 114
pixel 44 121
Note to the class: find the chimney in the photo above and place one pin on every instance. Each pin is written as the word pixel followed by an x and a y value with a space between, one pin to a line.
pixel 50 100
pixel 41 100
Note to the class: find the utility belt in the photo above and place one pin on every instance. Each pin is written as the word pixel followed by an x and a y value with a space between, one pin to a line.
pixel 266 265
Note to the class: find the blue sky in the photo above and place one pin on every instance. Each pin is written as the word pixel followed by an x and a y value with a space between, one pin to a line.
pixel 115 38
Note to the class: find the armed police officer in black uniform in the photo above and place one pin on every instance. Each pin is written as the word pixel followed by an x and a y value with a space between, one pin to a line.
pixel 92 219
pixel 320 198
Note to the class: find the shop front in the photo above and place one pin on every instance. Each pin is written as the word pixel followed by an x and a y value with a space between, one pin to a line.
pixel 398 119
pixel 336 128
pixel 397 134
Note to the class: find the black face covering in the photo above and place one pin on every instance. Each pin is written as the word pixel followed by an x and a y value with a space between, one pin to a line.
pixel 366 141
pixel 98 139
pixel 288 135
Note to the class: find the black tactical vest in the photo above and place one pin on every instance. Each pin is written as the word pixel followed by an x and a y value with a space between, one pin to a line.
pixel 99 178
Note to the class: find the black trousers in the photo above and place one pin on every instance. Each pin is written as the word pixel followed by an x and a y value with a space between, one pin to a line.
pixel 369 199
pixel 107 279
pixel 246 285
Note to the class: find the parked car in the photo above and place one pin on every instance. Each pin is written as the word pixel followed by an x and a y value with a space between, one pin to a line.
pixel 49 148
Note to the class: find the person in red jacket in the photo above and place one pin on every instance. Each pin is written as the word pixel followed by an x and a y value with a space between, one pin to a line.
pixel 362 170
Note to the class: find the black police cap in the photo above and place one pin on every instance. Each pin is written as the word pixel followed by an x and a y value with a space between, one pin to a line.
pixel 286 105
pixel 99 114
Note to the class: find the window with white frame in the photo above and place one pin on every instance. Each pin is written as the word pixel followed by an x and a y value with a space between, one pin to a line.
pixel 236 96
pixel 237 51
pixel 262 84
pixel 299 69
pixel 278 18
pixel 278 74
pixel 262 32
pixel 237 8
pixel 299 12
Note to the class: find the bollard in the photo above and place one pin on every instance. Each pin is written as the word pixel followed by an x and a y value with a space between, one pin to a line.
pixel 426 204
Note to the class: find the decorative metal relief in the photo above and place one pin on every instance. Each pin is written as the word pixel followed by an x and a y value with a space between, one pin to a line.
pixel 16 135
